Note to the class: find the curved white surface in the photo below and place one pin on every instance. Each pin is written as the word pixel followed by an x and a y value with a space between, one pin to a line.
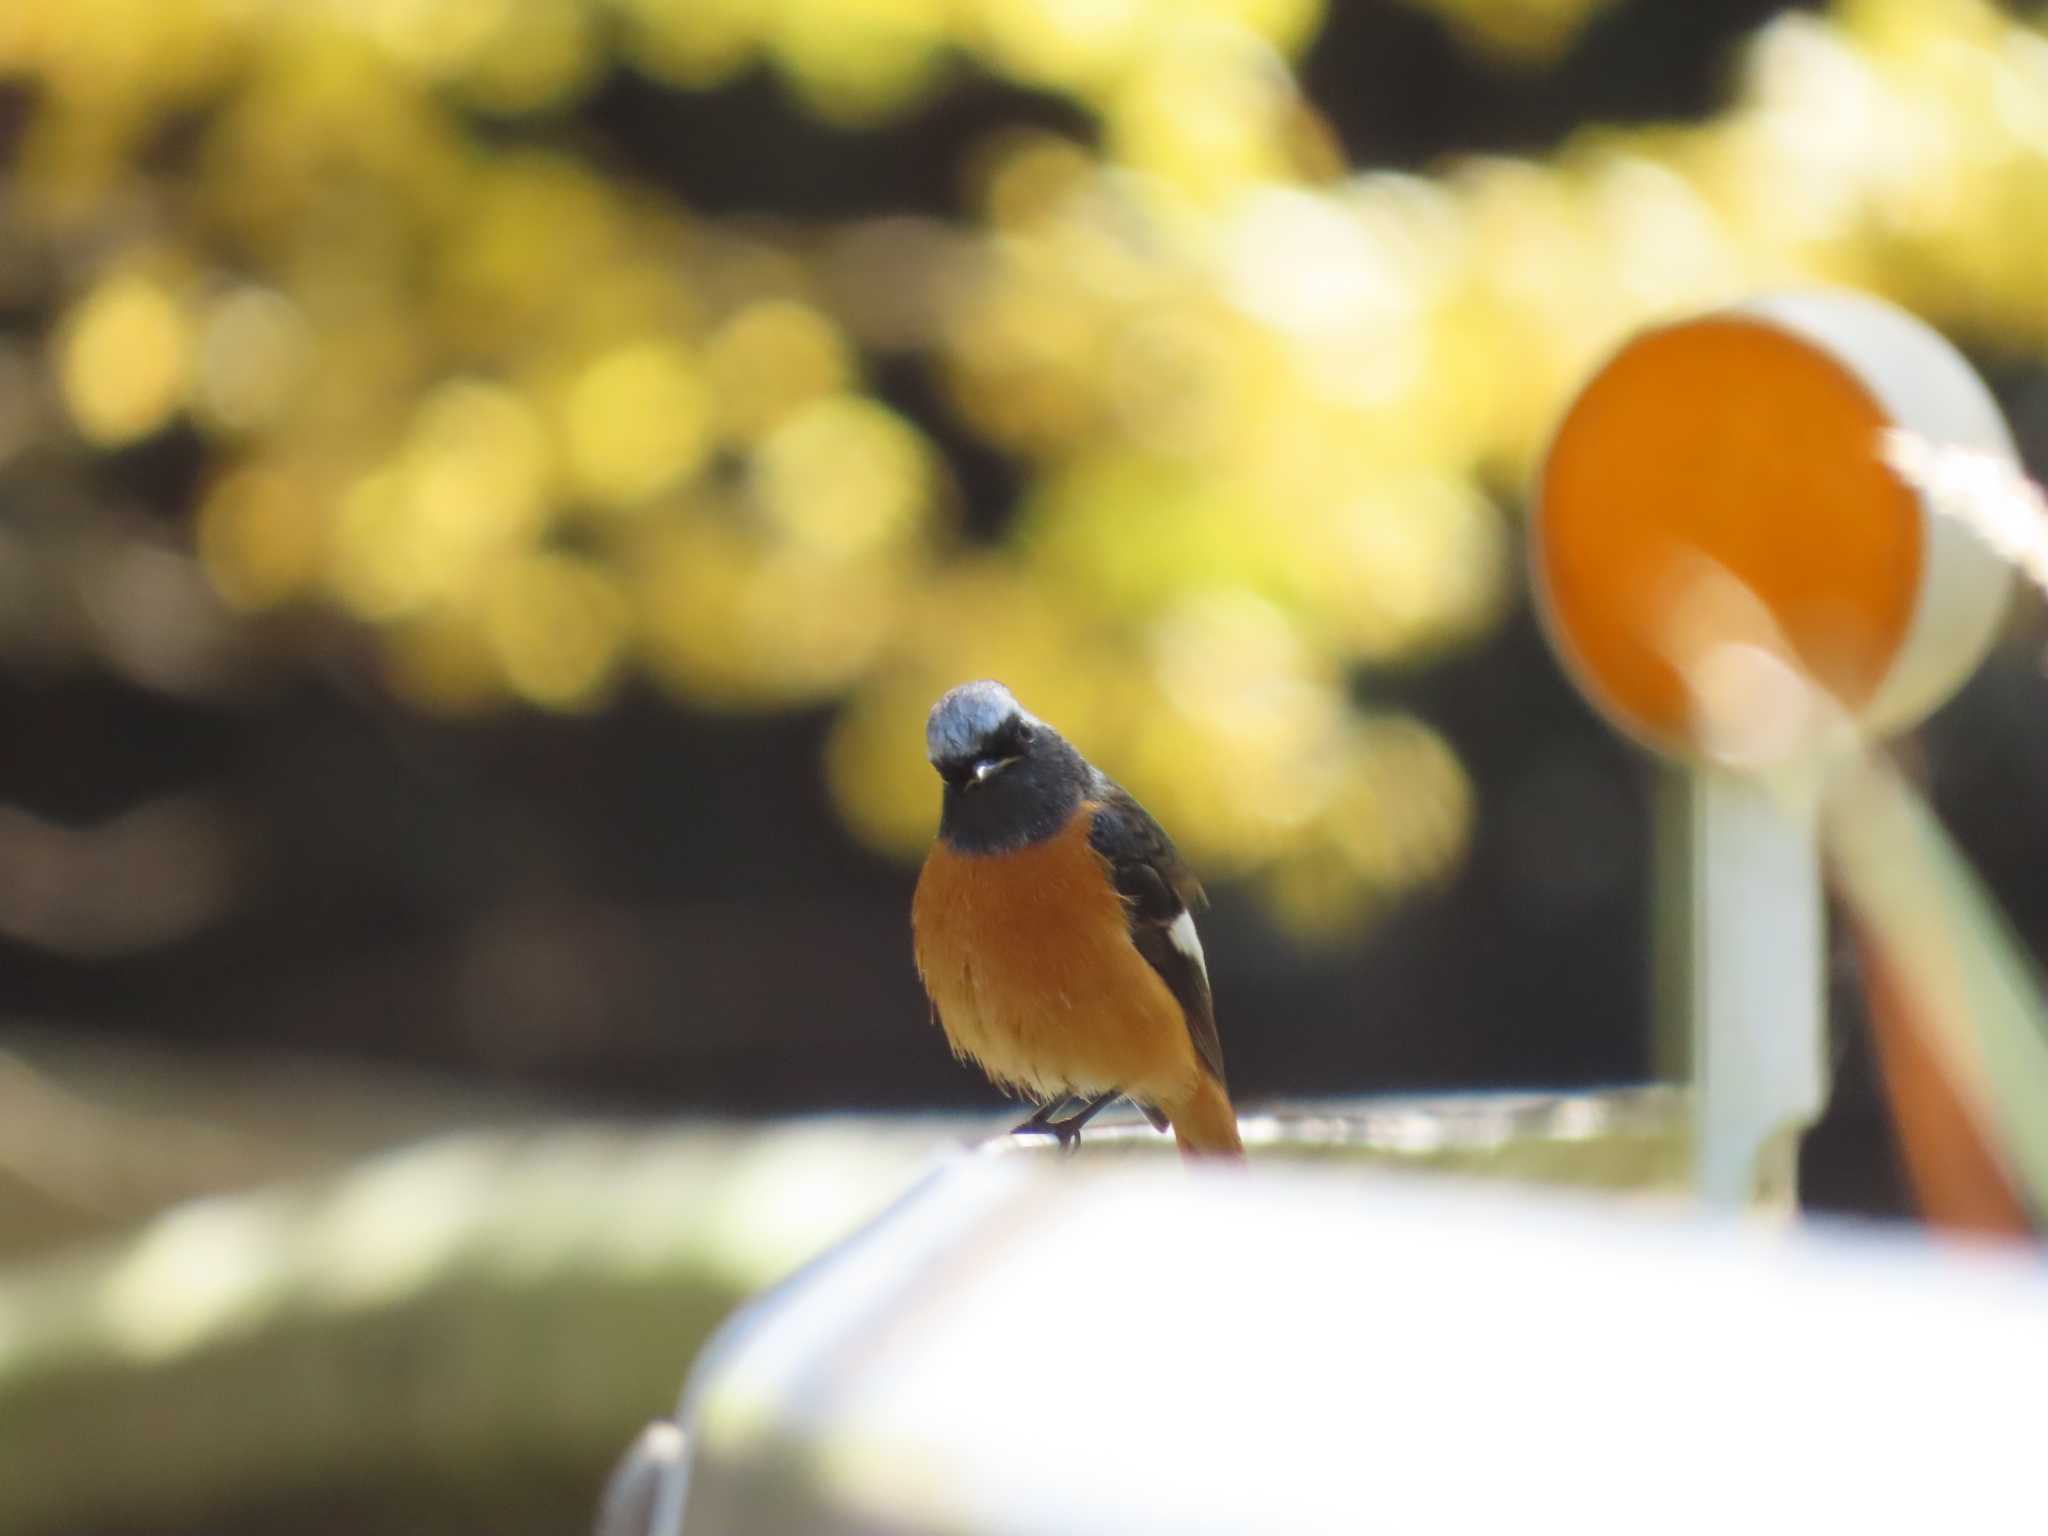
pixel 1058 1350
pixel 1924 384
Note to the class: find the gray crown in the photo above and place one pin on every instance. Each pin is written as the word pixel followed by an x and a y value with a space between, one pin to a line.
pixel 966 717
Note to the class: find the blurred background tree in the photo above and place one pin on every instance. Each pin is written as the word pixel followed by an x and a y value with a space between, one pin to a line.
pixel 470 472
pixel 368 368
pixel 489 488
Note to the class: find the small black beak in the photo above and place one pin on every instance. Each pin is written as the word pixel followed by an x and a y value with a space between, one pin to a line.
pixel 966 773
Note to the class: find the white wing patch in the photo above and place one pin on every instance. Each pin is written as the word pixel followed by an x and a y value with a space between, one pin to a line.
pixel 1188 942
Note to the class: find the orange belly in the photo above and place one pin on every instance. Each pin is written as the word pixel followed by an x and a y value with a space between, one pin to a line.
pixel 1029 961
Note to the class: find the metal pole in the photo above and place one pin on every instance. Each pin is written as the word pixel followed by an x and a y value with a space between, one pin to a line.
pixel 1757 951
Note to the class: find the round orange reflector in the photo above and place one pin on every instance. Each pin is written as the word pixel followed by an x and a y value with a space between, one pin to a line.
pixel 1732 441
pixel 1717 511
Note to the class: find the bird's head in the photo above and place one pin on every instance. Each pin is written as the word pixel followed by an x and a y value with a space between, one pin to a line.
pixel 1010 778
pixel 976 731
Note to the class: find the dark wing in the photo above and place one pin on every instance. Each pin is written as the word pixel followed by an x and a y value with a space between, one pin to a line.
pixel 1158 890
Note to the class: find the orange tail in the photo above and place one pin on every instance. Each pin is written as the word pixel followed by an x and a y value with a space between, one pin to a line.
pixel 1204 1123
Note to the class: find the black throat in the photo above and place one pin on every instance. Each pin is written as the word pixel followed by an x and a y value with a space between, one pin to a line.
pixel 1026 803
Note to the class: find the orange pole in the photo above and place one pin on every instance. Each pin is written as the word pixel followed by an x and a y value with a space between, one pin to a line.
pixel 1957 1181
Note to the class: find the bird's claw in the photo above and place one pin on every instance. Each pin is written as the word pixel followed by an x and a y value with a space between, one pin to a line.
pixel 1067 1131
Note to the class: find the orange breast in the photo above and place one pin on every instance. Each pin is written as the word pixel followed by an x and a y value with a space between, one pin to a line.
pixel 1029 961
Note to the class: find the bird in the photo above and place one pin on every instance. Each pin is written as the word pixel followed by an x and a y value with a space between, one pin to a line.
pixel 1054 932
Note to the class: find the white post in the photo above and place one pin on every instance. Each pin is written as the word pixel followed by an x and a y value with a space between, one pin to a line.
pixel 1757 981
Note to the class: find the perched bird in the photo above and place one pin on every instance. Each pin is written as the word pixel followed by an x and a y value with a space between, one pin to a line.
pixel 1052 931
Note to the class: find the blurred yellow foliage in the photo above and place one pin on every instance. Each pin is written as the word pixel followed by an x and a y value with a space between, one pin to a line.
pixel 537 427
pixel 259 535
pixel 557 625
pixel 634 422
pixel 1525 29
pixel 767 360
pixel 124 360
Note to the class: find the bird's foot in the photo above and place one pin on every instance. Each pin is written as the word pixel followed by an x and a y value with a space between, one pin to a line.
pixel 1067 1131
pixel 1040 1123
